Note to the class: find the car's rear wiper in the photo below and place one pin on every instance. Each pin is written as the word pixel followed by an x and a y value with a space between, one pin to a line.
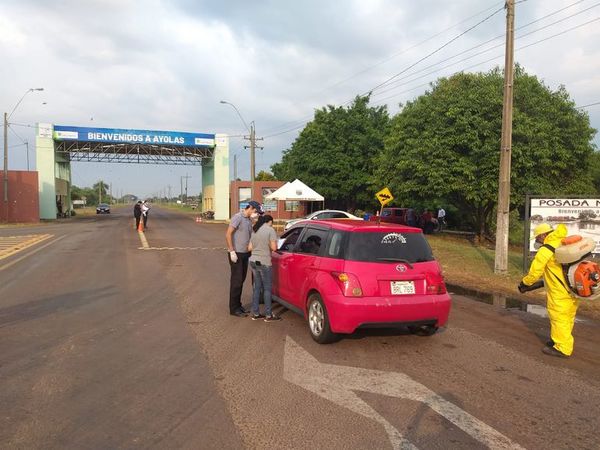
pixel 405 261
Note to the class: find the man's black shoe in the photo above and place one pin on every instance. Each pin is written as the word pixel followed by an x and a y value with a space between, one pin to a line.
pixel 553 352
pixel 244 310
pixel 550 343
pixel 238 313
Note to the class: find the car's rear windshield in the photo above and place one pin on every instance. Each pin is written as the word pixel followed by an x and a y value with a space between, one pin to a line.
pixel 102 205
pixel 388 246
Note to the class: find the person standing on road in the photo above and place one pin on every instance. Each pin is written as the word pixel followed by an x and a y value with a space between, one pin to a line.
pixel 237 237
pixel 262 243
pixel 145 210
pixel 137 213
pixel 561 305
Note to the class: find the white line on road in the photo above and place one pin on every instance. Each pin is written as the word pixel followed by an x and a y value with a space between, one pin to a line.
pixel 12 263
pixel 338 383
pixel 184 248
pixel 144 240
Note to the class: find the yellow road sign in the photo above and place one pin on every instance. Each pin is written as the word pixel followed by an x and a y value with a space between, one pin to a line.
pixel 384 196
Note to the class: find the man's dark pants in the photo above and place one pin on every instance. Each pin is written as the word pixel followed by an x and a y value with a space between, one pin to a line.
pixel 137 221
pixel 239 270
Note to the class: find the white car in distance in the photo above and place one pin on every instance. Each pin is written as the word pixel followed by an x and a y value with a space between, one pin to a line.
pixel 322 215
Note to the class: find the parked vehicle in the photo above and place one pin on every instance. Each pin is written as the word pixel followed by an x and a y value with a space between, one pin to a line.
pixel 103 208
pixel 403 216
pixel 342 275
pixel 322 215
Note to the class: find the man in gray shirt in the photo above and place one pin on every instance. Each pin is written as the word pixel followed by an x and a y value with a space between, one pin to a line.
pixel 238 236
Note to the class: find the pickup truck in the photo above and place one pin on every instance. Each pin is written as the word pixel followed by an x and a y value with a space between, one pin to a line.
pixel 403 216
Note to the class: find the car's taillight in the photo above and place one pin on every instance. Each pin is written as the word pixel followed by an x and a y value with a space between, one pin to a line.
pixel 348 283
pixel 435 284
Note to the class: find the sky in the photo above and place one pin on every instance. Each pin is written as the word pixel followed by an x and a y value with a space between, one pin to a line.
pixel 166 65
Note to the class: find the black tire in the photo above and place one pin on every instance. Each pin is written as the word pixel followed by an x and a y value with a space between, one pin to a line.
pixel 318 321
pixel 423 330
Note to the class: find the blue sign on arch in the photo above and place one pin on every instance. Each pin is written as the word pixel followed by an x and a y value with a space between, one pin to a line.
pixel 122 136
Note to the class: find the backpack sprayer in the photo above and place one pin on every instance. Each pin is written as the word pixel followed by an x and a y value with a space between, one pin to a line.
pixel 582 275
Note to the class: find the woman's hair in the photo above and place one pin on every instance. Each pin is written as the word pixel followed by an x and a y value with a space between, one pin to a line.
pixel 265 218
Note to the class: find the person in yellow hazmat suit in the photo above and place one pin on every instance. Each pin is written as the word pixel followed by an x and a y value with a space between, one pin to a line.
pixel 561 305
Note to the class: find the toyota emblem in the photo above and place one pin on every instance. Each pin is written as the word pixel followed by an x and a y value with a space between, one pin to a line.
pixel 401 268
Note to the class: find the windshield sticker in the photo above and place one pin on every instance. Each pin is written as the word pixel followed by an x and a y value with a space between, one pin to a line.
pixel 393 238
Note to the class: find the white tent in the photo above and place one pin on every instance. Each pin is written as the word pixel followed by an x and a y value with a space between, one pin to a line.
pixel 296 191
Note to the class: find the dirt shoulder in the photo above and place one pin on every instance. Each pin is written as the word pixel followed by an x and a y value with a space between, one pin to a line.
pixel 472 266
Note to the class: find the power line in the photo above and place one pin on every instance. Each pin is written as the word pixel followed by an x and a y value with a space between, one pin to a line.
pixel 21 125
pixel 487 50
pixel 466 68
pixel 395 55
pixel 588 105
pixel 369 92
pixel 493 58
pixel 16 134
pixel 400 53
pixel 433 52
pixel 301 122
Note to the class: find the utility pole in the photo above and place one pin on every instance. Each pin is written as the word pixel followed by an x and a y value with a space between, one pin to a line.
pixel 253 148
pixel 110 197
pixel 6 117
pixel 100 191
pixel 169 197
pixel 186 185
pixel 181 189
pixel 502 220
pixel 27 150
pixel 234 167
pixel 6 162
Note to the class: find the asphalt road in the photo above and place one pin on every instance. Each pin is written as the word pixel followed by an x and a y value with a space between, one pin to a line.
pixel 106 345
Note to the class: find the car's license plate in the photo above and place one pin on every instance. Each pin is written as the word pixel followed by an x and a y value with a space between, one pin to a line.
pixel 402 287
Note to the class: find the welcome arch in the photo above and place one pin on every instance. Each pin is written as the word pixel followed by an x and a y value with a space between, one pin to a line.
pixel 58 145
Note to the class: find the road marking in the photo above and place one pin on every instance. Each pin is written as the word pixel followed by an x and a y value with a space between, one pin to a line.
pixel 145 245
pixel 9 245
pixel 12 263
pixel 183 248
pixel 338 383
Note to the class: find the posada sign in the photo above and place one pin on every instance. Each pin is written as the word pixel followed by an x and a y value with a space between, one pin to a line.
pixel 581 216
pixel 567 202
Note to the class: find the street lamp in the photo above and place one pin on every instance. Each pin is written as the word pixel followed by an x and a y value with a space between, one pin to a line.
pixel 252 132
pixel 6 117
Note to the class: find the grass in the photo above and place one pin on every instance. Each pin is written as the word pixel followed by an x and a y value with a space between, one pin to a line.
pixel 472 266
pixel 184 209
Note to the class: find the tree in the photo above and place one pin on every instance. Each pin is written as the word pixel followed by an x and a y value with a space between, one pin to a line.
pixel 444 146
pixel 587 214
pixel 335 153
pixel 595 170
pixel 263 175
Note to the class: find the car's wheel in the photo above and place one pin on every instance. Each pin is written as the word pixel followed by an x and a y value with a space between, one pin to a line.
pixel 318 321
pixel 423 330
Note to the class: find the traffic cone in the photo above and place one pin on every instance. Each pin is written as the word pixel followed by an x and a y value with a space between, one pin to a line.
pixel 141 225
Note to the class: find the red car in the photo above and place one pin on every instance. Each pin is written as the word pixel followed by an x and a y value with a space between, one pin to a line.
pixel 344 275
